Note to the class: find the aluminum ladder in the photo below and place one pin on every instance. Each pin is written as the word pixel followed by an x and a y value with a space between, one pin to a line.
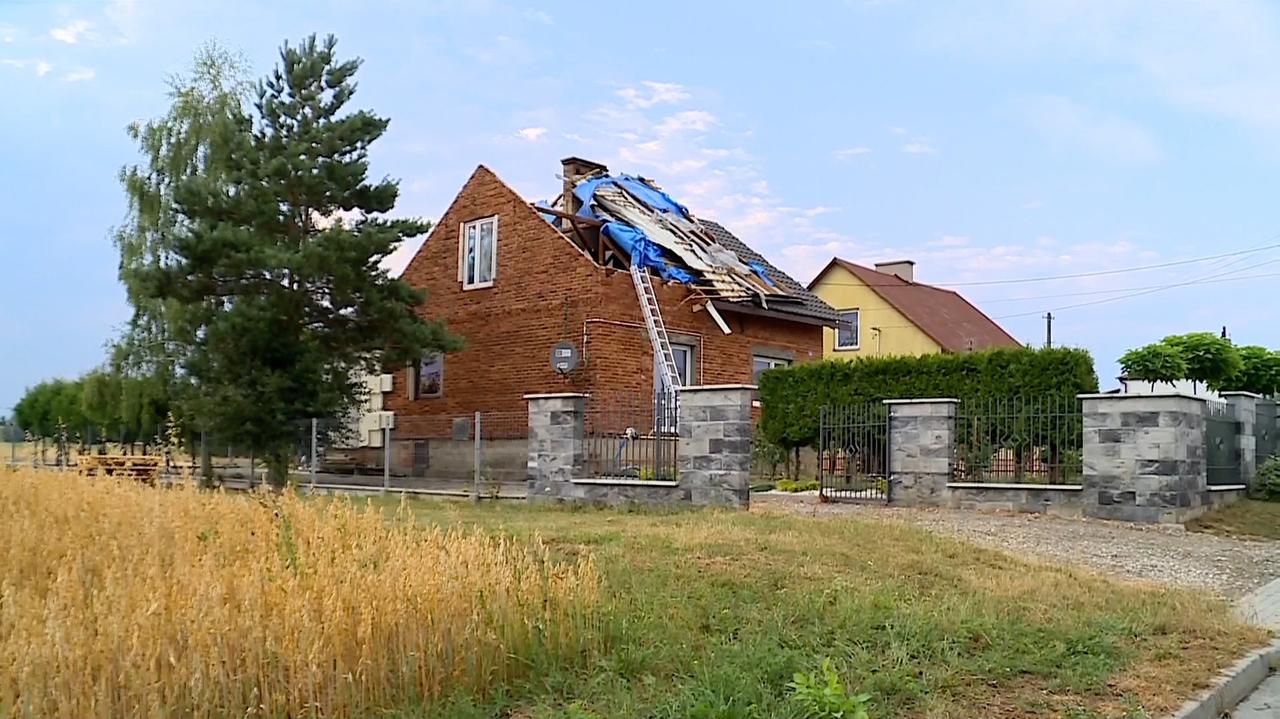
pixel 669 374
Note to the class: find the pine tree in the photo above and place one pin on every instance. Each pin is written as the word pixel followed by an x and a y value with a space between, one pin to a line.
pixel 279 269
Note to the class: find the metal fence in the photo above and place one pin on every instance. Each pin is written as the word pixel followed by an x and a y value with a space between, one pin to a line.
pixel 853 452
pixel 1265 431
pixel 629 437
pixel 1032 440
pixel 1222 448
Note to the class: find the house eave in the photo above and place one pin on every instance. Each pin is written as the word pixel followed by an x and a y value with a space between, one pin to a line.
pixel 746 309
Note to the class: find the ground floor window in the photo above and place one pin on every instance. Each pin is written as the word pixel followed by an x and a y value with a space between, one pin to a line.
pixel 760 365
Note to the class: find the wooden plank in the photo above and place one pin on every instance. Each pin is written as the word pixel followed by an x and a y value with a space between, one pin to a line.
pixel 587 221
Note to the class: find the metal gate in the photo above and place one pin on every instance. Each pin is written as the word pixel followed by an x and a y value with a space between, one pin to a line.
pixel 853 452
pixel 1264 430
pixel 1222 450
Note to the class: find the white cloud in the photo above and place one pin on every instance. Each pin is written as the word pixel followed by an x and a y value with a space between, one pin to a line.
pixel 539 16
pixel 1033 204
pixel 851 152
pixel 1068 123
pixel 919 147
pixel 950 241
pixel 8 33
pixel 653 93
pixel 80 74
pixel 686 121
pixel 1141 47
pixel 532 134
pixel 575 137
pixel 898 130
pixel 70 33
pixel 43 68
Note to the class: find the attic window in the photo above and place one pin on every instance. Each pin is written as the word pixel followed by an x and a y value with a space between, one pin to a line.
pixel 478 253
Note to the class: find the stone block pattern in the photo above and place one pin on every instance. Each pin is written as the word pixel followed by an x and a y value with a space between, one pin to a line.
pixel 713 454
pixel 714 451
pixel 1246 407
pixel 1037 500
pixel 921 438
pixel 1144 458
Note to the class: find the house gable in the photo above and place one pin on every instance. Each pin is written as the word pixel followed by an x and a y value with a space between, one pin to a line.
pixel 898 335
pixel 546 290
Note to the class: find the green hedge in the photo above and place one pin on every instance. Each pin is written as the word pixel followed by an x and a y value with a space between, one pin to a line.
pixel 792 397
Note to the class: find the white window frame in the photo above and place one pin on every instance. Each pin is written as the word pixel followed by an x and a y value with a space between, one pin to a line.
pixel 857 330
pixel 773 362
pixel 689 360
pixel 462 253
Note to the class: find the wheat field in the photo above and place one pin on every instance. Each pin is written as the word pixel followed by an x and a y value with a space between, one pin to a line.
pixel 118 600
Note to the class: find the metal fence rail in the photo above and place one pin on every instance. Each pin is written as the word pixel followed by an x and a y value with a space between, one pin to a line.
pixel 853 452
pixel 1031 440
pixel 1222 449
pixel 631 438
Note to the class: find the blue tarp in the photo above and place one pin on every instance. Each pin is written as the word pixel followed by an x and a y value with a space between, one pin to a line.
pixel 644 252
pixel 762 271
pixel 632 240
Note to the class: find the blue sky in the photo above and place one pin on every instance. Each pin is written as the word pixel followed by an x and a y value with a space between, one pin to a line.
pixel 985 140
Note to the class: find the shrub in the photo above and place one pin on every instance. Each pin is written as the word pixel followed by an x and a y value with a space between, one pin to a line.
pixel 1267 483
pixel 792 397
pixel 797 485
pixel 824 697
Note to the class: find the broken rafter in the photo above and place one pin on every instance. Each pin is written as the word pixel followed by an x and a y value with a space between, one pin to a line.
pixel 574 219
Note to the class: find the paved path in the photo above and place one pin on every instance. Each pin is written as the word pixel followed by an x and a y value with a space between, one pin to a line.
pixel 1262 607
pixel 1263 703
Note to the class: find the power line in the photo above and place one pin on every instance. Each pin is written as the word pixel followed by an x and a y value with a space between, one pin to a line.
pixel 1085 293
pixel 1134 291
pixel 1148 291
pixel 1080 275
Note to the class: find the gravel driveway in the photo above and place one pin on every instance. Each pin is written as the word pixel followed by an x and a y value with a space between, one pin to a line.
pixel 1166 554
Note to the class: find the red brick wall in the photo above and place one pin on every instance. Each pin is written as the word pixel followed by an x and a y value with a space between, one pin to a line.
pixel 546 291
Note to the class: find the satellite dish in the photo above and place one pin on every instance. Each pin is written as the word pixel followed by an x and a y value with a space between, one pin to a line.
pixel 564 357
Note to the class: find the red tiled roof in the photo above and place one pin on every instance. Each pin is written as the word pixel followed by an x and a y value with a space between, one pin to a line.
pixel 943 315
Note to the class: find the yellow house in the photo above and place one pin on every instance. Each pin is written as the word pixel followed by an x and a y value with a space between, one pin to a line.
pixel 883 311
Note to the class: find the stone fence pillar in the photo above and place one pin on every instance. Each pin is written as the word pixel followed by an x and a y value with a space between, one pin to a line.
pixel 556 452
pixel 1144 457
pixel 714 450
pixel 1245 405
pixel 921 446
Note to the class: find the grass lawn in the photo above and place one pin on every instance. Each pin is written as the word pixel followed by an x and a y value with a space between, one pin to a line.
pixel 1248 518
pixel 708 615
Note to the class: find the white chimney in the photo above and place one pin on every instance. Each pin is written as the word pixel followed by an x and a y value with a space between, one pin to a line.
pixel 905 269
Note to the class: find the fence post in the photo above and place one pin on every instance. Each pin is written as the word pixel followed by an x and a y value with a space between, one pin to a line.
pixel 250 469
pixel 314 455
pixel 1145 457
pixel 555 444
pixel 713 452
pixel 386 460
pixel 477 459
pixel 1246 407
pixel 921 446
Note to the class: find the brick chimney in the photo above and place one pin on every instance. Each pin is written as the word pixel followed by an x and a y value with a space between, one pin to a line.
pixel 905 269
pixel 573 170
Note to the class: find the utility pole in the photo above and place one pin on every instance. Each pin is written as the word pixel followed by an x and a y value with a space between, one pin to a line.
pixel 1048 330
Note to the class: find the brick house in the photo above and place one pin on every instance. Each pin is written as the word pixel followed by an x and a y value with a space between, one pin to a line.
pixel 531 278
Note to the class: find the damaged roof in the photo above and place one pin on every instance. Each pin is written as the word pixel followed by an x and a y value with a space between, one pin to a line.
pixel 624 219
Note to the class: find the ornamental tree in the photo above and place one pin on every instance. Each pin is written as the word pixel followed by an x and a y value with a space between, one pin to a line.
pixel 1259 371
pixel 1154 363
pixel 278 270
pixel 1209 358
